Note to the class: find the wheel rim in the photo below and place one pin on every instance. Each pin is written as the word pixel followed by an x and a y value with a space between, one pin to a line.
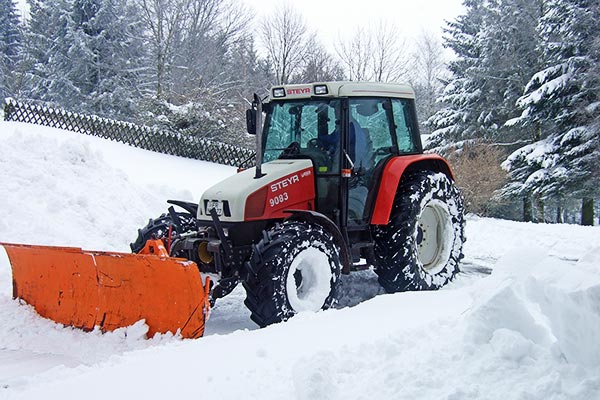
pixel 309 280
pixel 433 236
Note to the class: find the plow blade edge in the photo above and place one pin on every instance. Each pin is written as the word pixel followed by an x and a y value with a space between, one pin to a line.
pixel 88 289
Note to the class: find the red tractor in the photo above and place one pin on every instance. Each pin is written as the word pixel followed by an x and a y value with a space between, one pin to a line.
pixel 340 182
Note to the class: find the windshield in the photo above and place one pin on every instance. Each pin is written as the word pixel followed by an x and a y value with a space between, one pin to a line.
pixel 301 128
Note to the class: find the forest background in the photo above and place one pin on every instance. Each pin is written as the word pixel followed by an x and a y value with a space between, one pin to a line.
pixel 510 94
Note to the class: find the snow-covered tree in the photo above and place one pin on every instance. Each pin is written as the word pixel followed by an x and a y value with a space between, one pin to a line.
pixel 109 77
pixel 44 44
pixel 462 94
pixel 10 46
pixel 508 59
pixel 87 56
pixel 495 44
pixel 164 20
pixel 562 103
pixel 216 110
pixel 204 64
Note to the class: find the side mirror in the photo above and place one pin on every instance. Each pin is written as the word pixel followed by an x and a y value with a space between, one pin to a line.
pixel 251 121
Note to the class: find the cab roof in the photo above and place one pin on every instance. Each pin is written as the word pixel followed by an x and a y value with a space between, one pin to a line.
pixel 341 89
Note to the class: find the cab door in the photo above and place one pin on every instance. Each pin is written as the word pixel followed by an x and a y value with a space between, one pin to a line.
pixel 379 128
pixel 374 125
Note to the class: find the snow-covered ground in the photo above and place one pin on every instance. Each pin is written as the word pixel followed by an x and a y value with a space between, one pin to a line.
pixel 529 330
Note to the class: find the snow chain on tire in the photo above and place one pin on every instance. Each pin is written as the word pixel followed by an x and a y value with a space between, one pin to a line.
pixel 421 247
pixel 272 294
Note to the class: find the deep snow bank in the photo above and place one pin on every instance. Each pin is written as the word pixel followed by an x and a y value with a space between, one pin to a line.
pixel 544 302
pixel 525 332
pixel 64 188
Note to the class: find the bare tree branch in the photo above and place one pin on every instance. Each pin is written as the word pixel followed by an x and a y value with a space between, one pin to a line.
pixel 284 35
pixel 377 54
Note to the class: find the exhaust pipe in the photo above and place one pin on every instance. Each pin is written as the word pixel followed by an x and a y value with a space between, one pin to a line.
pixel 254 127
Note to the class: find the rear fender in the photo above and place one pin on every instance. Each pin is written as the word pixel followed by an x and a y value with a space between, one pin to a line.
pixel 393 172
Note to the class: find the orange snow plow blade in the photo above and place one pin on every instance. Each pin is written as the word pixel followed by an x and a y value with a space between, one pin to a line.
pixel 88 289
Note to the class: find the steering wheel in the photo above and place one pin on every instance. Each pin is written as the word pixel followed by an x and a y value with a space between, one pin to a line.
pixel 313 144
pixel 318 153
pixel 292 150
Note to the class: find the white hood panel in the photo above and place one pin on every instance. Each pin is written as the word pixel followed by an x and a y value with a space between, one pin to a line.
pixel 236 189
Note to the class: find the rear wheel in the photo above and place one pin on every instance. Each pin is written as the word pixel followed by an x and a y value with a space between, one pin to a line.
pixel 421 246
pixel 294 268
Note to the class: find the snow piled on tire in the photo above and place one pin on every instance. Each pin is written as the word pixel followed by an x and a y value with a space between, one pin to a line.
pixel 454 241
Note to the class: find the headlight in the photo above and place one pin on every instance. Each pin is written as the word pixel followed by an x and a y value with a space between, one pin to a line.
pixel 321 89
pixel 278 92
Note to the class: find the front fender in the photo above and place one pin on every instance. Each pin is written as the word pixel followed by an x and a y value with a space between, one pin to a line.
pixel 331 227
pixel 393 172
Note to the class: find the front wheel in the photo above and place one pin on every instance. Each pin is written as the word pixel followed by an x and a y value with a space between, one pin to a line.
pixel 421 246
pixel 295 267
pixel 161 227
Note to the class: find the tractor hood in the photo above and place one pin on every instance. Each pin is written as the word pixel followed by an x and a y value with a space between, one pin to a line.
pixel 285 184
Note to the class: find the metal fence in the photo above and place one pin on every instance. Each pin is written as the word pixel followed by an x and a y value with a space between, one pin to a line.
pixel 174 143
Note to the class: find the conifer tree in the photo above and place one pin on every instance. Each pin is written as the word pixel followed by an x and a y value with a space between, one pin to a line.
pixel 44 42
pixel 495 43
pixel 452 122
pixel 104 68
pixel 562 102
pixel 10 47
pixel 87 56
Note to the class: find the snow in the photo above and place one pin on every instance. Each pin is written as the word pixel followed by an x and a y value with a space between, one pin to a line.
pixel 528 330
pixel 316 277
pixel 69 189
pixel 550 81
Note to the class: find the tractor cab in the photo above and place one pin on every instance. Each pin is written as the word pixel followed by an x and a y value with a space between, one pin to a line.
pixel 348 133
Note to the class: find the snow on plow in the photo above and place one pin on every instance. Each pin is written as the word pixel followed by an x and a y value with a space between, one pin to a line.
pixel 88 289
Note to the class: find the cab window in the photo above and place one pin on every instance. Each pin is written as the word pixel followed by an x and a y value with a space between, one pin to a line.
pixel 405 125
pixel 300 123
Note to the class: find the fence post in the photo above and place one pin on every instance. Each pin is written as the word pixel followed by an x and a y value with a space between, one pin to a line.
pixel 9 109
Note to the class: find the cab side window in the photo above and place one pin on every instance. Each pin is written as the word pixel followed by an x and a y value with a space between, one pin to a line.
pixel 403 119
pixel 370 115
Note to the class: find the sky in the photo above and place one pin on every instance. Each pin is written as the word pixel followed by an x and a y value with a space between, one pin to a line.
pixel 335 19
